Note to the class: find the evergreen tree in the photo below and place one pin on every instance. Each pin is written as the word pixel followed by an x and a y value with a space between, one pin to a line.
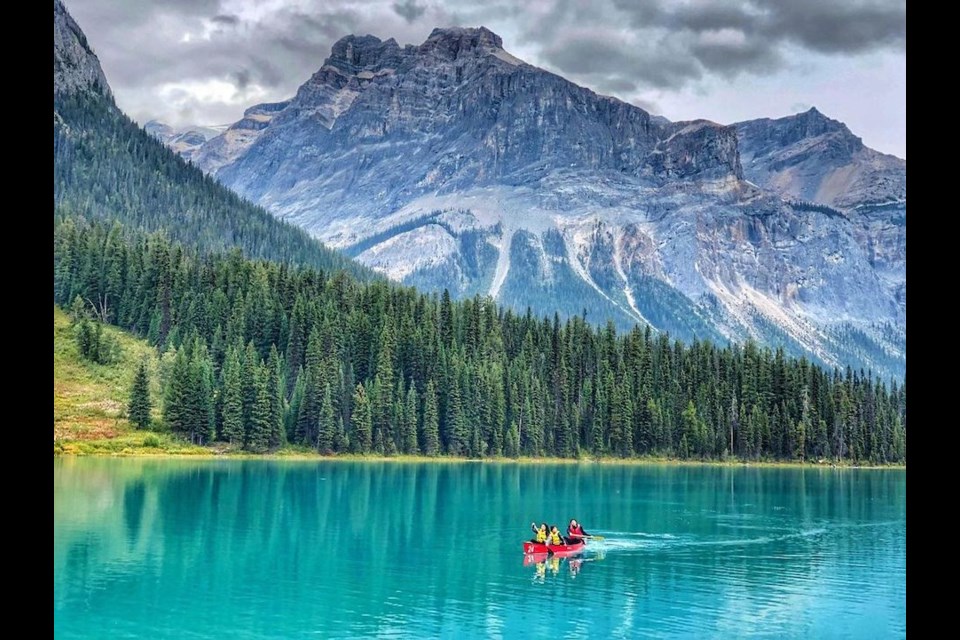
pixel 248 380
pixel 276 390
pixel 802 427
pixel 409 432
pixel 690 434
pixel 430 434
pixel 139 407
pixel 261 418
pixel 446 320
pixel 199 395
pixel 456 422
pixel 232 426
pixel 382 405
pixel 340 440
pixel 361 422
pixel 328 425
pixel 85 337
pixel 512 446
pixel 293 408
pixel 174 400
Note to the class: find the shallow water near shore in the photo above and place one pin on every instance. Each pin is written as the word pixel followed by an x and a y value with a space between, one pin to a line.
pixel 283 549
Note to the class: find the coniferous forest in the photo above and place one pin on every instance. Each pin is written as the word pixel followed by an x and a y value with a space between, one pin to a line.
pixel 260 354
pixel 105 166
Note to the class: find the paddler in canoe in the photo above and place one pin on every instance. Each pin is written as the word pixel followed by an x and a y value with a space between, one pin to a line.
pixel 575 533
pixel 555 539
pixel 540 533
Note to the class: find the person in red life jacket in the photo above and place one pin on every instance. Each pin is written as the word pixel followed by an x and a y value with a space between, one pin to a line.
pixel 575 533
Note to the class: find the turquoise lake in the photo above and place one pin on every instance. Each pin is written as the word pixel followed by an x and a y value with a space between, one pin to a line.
pixel 306 549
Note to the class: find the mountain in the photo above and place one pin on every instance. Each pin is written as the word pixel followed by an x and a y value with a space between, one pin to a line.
pixel 185 141
pixel 811 157
pixel 453 164
pixel 810 160
pixel 105 166
pixel 258 355
pixel 75 66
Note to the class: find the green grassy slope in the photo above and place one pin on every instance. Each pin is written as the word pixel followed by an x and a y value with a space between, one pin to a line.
pixel 90 400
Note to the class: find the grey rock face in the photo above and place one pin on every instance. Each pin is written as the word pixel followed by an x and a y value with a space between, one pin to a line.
pixel 453 164
pixel 813 158
pixel 186 141
pixel 75 66
pixel 452 113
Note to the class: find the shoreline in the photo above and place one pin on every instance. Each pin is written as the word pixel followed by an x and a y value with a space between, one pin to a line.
pixel 204 453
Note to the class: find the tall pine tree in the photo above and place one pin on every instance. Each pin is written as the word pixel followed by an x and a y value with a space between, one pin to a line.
pixel 139 408
pixel 361 421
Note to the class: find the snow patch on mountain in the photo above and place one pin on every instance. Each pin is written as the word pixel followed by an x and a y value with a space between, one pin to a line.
pixel 503 261
pixel 405 253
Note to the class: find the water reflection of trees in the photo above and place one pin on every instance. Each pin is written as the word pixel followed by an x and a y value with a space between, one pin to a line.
pixel 422 544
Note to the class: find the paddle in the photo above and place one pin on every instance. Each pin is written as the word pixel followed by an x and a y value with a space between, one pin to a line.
pixel 592 537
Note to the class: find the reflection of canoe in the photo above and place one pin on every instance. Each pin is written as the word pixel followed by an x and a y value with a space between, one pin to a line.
pixel 535 558
pixel 560 550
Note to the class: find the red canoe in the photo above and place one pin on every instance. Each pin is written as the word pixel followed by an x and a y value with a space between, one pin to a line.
pixel 536 547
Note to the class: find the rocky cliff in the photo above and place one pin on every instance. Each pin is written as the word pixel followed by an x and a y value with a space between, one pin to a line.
pixel 75 66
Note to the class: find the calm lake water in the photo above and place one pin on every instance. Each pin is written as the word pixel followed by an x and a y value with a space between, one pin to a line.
pixel 264 549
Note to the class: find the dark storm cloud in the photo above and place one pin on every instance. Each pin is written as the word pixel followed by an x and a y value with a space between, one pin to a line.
pixel 242 78
pixel 155 48
pixel 832 27
pixel 821 25
pixel 301 33
pixel 614 64
pixel 409 10
pixel 226 20
pixel 663 44
pixel 107 13
pixel 732 58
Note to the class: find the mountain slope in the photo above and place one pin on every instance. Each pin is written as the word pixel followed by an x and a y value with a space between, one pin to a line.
pixel 105 166
pixel 811 157
pixel 813 160
pixel 453 164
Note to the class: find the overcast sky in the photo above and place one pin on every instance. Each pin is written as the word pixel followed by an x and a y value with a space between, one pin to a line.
pixel 205 61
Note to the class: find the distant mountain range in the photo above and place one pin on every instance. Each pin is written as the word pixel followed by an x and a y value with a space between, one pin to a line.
pixel 453 164
pixel 184 140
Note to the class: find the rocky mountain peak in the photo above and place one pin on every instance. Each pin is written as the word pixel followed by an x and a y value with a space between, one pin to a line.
pixel 807 125
pixel 459 87
pixel 812 123
pixel 455 41
pixel 811 157
pixel 75 66
pixel 354 54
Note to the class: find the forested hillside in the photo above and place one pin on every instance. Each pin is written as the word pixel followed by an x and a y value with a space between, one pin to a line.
pixel 106 167
pixel 265 353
